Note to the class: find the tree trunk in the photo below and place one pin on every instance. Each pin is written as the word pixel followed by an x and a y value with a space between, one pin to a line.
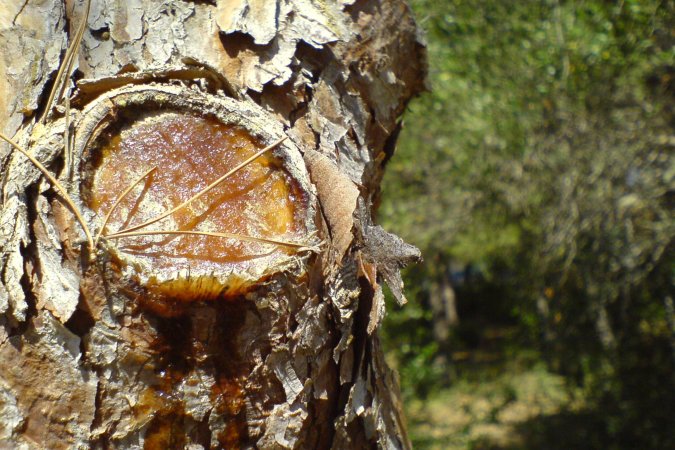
pixel 258 329
pixel 443 305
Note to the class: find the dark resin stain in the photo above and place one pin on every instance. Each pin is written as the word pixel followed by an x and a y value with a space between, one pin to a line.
pixel 205 338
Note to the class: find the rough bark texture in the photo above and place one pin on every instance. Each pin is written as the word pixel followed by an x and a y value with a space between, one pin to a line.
pixel 86 360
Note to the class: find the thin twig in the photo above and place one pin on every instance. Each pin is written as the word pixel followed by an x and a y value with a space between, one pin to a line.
pixel 200 193
pixel 117 202
pixel 67 64
pixel 240 237
pixel 56 185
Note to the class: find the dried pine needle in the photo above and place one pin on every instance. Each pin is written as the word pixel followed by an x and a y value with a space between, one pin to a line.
pixel 56 185
pixel 67 64
pixel 68 151
pixel 200 193
pixel 117 202
pixel 59 87
pixel 239 237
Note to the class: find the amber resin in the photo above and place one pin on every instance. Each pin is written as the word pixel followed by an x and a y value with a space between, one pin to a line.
pixel 190 152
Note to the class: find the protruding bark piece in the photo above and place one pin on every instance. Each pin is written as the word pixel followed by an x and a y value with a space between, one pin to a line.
pixel 388 252
pixel 338 196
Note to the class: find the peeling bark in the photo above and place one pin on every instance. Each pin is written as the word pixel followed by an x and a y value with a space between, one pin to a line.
pixel 89 357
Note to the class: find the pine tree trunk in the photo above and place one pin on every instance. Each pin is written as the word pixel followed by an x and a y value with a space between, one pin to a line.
pixel 262 339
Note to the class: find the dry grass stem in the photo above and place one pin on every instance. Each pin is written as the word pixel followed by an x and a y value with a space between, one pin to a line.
pixel 117 202
pixel 200 193
pixel 56 185
pixel 68 150
pixel 67 64
pixel 239 237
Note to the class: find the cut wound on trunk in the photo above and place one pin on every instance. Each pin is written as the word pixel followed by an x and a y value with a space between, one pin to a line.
pixel 190 152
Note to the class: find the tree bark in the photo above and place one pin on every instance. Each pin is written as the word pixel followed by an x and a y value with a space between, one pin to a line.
pixel 102 347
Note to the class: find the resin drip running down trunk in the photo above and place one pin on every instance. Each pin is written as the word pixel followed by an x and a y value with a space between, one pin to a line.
pixel 224 158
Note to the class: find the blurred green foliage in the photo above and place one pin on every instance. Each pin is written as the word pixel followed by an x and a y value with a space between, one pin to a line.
pixel 543 156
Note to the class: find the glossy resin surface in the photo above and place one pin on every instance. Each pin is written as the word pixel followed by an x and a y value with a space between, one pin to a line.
pixel 189 153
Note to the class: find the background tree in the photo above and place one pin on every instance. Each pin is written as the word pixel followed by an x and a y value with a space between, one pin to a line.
pixel 543 158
